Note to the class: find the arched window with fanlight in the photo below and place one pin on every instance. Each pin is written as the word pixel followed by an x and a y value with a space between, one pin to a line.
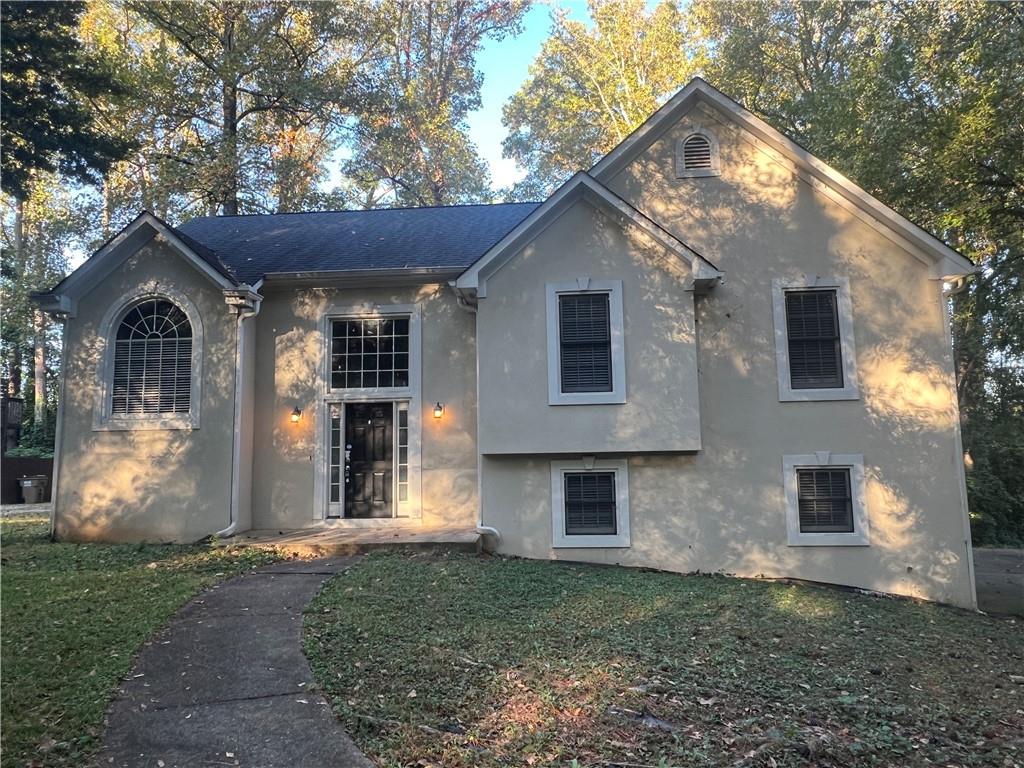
pixel 152 361
pixel 697 155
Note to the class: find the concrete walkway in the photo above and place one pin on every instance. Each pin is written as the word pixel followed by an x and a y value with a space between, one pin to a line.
pixel 225 683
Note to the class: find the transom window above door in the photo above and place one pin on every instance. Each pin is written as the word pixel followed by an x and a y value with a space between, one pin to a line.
pixel 370 353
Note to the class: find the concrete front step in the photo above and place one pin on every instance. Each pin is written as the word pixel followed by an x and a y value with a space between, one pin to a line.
pixel 332 542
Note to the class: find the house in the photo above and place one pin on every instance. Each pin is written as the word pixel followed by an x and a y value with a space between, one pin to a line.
pixel 710 352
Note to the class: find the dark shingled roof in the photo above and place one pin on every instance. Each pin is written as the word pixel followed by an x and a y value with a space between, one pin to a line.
pixel 250 247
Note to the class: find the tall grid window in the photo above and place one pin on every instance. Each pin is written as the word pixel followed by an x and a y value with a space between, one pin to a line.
pixel 370 353
pixel 585 342
pixel 335 458
pixel 152 361
pixel 403 451
pixel 589 503
pixel 815 350
pixel 824 500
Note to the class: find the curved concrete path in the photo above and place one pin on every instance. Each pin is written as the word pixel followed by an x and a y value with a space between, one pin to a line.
pixel 225 683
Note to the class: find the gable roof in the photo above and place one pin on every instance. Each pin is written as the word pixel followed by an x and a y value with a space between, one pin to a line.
pixel 451 237
pixel 945 261
pixel 581 186
pixel 139 231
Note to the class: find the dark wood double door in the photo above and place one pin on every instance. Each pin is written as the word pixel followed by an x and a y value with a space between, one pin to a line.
pixel 369 459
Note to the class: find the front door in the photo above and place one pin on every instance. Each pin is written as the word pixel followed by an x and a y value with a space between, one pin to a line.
pixel 369 459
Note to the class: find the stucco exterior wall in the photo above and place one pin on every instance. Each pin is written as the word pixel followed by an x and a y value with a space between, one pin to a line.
pixel 660 346
pixel 290 349
pixel 146 485
pixel 723 508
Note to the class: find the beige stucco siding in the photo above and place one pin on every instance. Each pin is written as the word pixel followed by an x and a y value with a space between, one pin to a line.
pixel 152 485
pixel 722 508
pixel 290 349
pixel 659 345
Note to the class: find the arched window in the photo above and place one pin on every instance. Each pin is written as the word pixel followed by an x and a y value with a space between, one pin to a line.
pixel 697 155
pixel 152 360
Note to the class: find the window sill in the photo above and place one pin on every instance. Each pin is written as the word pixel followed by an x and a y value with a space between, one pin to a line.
pixel 828 540
pixel 787 395
pixel 616 541
pixel 587 398
pixel 131 425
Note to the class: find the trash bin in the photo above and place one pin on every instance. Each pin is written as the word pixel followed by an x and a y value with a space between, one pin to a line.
pixel 33 488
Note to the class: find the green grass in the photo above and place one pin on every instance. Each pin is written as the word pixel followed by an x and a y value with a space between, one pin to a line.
pixel 462 661
pixel 72 617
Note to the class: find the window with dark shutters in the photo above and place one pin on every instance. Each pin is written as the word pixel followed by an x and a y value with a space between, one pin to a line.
pixel 825 501
pixel 815 349
pixel 589 503
pixel 585 344
pixel 152 361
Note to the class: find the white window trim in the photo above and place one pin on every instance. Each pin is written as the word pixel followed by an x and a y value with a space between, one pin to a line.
pixel 694 173
pixel 848 349
pixel 559 539
pixel 615 320
pixel 413 507
pixel 861 534
pixel 105 421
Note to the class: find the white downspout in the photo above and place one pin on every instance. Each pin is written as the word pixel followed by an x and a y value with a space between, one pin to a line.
pixel 488 530
pixel 244 312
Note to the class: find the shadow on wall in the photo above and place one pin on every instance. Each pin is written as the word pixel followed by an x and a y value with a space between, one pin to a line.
pixel 154 485
pixel 758 223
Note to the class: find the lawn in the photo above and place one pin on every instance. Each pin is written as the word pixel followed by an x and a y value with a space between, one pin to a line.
pixel 72 617
pixel 464 661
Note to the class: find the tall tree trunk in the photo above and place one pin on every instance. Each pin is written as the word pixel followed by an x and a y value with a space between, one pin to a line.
pixel 39 390
pixel 15 361
pixel 229 112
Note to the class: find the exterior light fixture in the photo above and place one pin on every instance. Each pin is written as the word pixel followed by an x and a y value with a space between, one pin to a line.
pixel 438 410
pixel 296 414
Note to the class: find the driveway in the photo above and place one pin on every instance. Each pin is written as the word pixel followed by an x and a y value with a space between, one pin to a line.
pixel 999 577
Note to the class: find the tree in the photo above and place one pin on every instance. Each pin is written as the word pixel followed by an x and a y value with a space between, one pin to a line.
pixel 48 83
pixel 590 86
pixel 288 64
pixel 38 233
pixel 410 145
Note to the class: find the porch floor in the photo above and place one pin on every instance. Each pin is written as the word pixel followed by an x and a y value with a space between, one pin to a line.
pixel 326 542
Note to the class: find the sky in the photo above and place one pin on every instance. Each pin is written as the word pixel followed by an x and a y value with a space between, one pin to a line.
pixel 505 65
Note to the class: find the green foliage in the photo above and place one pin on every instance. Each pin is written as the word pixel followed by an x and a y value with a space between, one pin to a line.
pixel 73 617
pixel 591 85
pixel 48 82
pixel 409 144
pixel 465 661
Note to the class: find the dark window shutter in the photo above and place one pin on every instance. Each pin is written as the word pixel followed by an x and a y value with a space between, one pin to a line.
pixel 815 349
pixel 585 343
pixel 589 503
pixel 696 153
pixel 825 501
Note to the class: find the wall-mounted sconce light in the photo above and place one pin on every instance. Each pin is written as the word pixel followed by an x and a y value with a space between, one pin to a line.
pixel 296 414
pixel 438 410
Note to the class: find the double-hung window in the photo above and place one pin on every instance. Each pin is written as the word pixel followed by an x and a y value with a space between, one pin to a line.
pixel 585 354
pixel 814 340
pixel 589 503
pixel 825 499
